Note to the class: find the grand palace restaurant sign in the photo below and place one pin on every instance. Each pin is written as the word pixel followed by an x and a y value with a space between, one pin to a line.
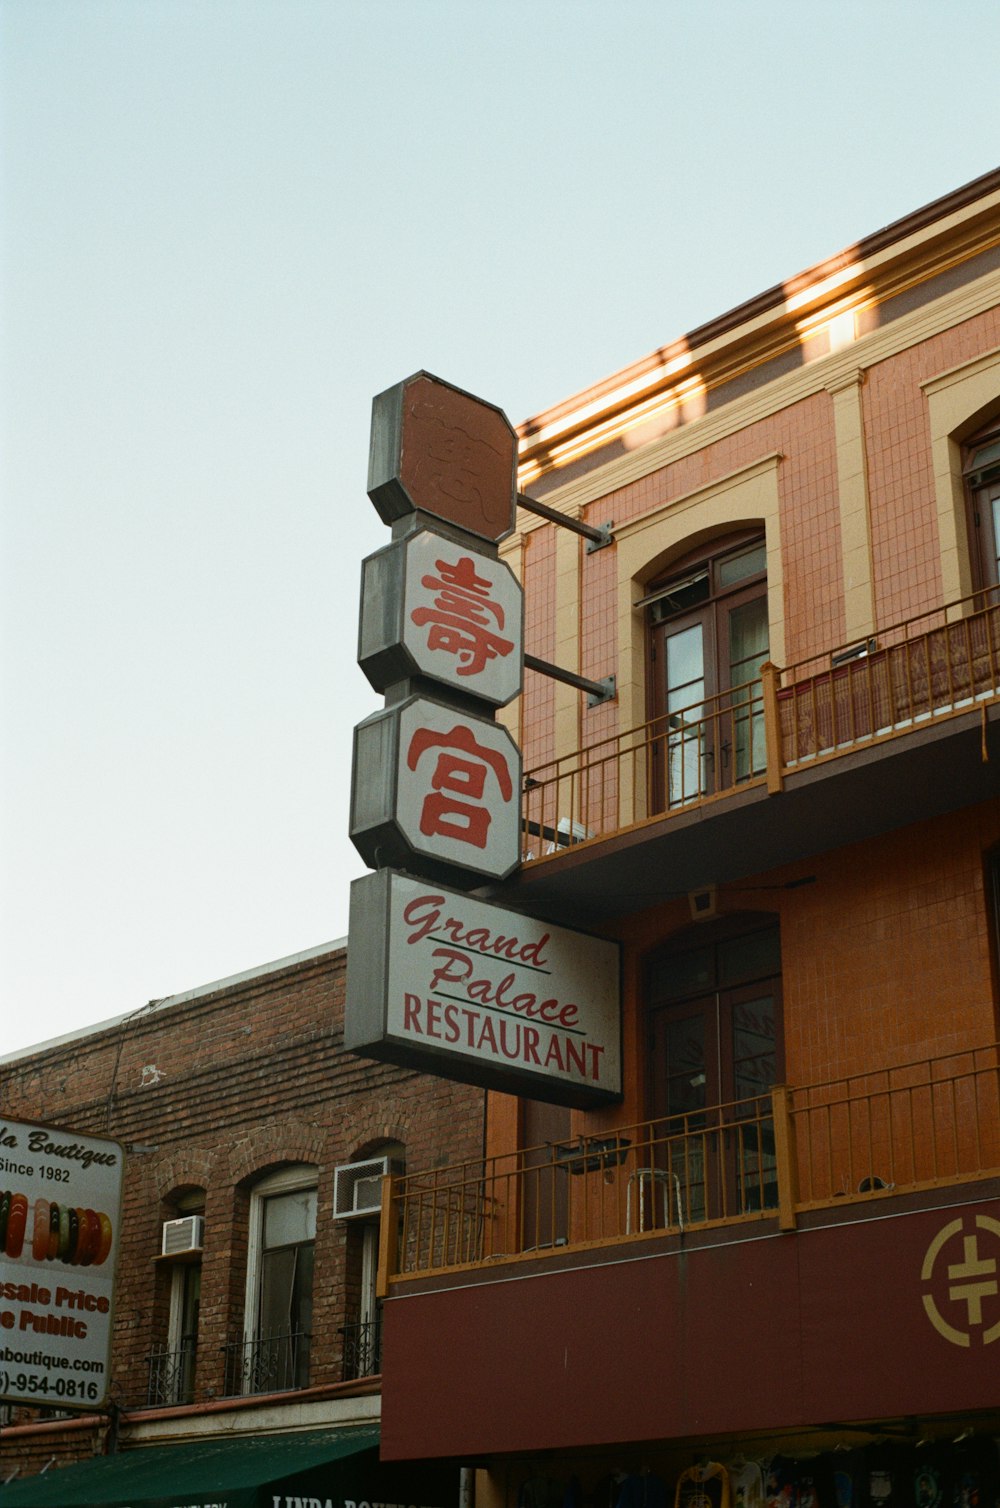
pixel 471 991
pixel 436 980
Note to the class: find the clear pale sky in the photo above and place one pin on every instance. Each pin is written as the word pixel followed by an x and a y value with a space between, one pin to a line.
pixel 226 224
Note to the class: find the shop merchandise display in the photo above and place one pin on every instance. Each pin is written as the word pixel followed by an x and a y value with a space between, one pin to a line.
pixel 962 1473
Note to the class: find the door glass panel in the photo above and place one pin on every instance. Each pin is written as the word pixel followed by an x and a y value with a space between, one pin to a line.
pixel 995 510
pixel 685 1092
pixel 685 1066
pixel 754 1073
pixel 685 693
pixel 748 647
pixel 753 1047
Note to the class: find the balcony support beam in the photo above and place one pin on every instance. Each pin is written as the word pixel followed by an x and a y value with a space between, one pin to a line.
pixel 597 536
pixel 769 675
pixel 784 1156
pixel 597 691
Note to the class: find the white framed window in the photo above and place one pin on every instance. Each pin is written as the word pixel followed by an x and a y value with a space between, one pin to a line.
pixel 277 1333
pixel 172 1362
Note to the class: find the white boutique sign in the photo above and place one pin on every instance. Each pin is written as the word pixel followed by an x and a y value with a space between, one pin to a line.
pixel 480 993
pixel 60 1226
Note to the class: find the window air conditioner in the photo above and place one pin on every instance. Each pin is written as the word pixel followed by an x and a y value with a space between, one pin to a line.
pixel 357 1186
pixel 182 1236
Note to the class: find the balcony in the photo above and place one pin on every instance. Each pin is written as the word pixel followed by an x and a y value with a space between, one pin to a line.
pixel 362 1349
pixel 171 1374
pixel 894 1131
pixel 267 1364
pixel 827 751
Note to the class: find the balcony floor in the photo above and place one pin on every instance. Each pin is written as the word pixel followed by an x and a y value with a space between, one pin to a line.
pixel 859 794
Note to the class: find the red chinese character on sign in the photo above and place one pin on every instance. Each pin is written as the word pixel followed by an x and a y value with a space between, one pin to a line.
pixel 464 618
pixel 455 808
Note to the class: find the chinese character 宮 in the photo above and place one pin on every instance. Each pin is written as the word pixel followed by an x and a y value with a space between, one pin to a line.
pixel 457 805
pixel 463 619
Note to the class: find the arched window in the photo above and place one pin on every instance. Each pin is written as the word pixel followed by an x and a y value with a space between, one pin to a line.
pixel 362 1330
pixel 708 637
pixel 172 1361
pixel 715 1051
pixel 278 1313
pixel 981 470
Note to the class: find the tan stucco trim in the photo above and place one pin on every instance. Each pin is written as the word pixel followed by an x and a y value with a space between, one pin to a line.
pixel 745 496
pixel 956 399
pixel 855 510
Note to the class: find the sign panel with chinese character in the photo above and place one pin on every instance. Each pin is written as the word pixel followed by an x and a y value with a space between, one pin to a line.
pixel 439 450
pixel 434 785
pixel 60 1229
pixel 436 608
pixel 472 991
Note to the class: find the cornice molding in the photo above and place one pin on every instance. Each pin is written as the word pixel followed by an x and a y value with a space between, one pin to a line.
pixel 837 369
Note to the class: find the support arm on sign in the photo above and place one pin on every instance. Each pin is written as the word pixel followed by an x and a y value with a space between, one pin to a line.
pixel 597 536
pixel 597 691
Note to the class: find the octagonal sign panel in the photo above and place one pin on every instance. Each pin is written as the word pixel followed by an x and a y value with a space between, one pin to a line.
pixel 434 608
pixel 432 787
pixel 438 450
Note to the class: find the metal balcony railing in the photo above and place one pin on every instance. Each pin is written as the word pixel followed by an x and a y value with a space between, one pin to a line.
pixel 904 1128
pixel 362 1349
pixel 268 1364
pixel 938 665
pixel 171 1374
pixel 931 1122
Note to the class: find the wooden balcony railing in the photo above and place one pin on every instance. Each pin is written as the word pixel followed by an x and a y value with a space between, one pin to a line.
pixel 905 1128
pixel 937 665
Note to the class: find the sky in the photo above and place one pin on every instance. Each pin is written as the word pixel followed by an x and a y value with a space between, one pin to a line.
pixel 224 226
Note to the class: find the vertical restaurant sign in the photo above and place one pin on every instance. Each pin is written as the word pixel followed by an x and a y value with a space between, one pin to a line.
pixel 432 784
pixel 439 450
pixel 60 1227
pixel 472 991
pixel 433 607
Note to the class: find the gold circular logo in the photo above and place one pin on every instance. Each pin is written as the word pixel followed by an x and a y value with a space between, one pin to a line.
pixel 962 1271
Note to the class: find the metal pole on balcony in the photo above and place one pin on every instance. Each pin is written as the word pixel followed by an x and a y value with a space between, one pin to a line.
pixel 388 1231
pixel 785 1156
pixel 769 675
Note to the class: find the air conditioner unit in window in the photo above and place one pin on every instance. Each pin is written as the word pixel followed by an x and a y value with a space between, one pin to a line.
pixel 182 1236
pixel 357 1186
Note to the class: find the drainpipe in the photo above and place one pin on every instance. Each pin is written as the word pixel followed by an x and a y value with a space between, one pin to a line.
pixel 466 1487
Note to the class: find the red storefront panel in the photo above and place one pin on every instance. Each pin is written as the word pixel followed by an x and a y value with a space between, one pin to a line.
pixel 869 1319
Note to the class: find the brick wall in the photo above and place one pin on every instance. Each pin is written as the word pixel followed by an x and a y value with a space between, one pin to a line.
pixel 210 1094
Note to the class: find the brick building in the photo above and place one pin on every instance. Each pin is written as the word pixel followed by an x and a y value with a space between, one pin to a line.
pixel 774 1267
pixel 254 1148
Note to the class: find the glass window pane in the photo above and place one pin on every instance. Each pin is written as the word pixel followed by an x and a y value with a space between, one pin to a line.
pixel 290 1217
pixel 755 956
pixel 747 640
pixel 277 1274
pixel 688 974
pixel 754 1063
pixel 685 660
pixel 748 562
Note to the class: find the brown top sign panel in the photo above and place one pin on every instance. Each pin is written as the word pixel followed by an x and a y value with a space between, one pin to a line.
pixel 440 450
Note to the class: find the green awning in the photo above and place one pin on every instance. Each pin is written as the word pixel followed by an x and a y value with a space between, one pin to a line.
pixel 253 1471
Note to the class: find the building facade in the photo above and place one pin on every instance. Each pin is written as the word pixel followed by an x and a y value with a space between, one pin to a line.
pixel 773 1270
pixel 245 1313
